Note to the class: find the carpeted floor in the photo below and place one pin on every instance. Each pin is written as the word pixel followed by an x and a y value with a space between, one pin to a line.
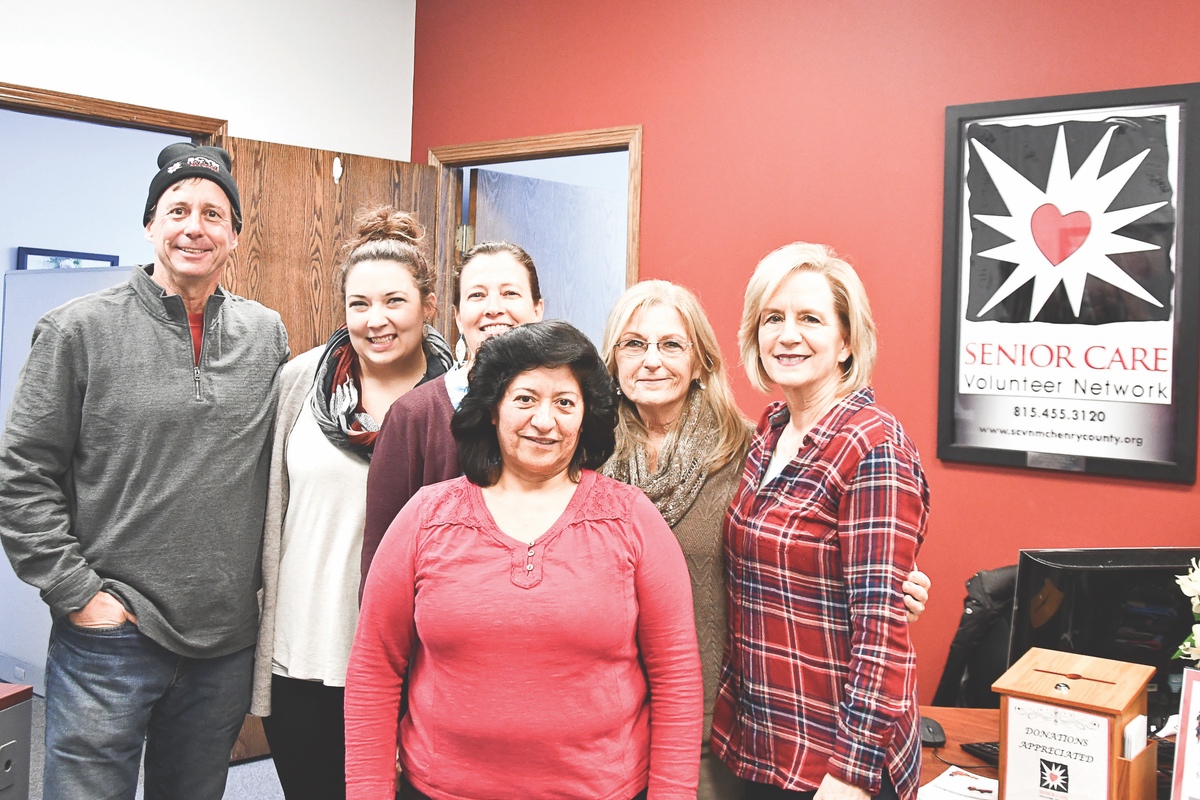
pixel 253 780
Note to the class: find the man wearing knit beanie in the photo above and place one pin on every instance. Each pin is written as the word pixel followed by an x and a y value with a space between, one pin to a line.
pixel 133 477
pixel 193 216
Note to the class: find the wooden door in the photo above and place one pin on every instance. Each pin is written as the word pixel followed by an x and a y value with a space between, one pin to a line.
pixel 296 217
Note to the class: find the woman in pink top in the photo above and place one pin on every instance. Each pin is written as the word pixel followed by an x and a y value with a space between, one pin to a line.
pixel 541 612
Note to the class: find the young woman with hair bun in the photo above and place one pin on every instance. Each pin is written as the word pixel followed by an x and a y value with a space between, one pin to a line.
pixel 332 400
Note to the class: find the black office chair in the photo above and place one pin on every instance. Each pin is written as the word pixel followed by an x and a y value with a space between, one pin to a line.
pixel 979 651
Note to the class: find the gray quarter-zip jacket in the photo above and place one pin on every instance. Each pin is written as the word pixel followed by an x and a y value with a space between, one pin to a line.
pixel 126 467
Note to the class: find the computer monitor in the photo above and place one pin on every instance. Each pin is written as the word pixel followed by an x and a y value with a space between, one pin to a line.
pixel 1118 603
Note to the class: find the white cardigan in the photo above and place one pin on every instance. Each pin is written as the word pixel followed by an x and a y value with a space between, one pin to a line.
pixel 295 380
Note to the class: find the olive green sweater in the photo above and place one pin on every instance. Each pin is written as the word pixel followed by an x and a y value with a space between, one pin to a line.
pixel 699 535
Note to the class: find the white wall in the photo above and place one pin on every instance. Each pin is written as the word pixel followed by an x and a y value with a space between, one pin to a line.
pixel 330 74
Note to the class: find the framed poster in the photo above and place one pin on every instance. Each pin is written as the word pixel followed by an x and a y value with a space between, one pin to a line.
pixel 1069 291
pixel 40 258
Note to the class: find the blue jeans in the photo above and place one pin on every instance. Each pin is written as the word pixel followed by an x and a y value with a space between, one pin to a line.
pixel 108 690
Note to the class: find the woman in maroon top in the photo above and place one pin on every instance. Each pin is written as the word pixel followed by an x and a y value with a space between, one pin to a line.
pixel 495 289
pixel 538 614
pixel 817 695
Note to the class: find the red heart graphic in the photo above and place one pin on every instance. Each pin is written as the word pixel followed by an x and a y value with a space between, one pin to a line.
pixel 1058 235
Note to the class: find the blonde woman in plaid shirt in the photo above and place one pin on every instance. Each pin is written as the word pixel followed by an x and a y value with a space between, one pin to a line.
pixel 817 693
pixel 682 440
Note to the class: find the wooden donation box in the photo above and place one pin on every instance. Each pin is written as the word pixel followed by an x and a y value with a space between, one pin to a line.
pixel 1073 727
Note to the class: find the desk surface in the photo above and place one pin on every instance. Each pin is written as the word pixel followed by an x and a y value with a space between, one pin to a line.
pixel 961 725
pixel 13 693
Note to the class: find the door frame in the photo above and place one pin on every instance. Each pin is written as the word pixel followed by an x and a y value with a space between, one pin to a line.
pixel 578 143
pixel 206 130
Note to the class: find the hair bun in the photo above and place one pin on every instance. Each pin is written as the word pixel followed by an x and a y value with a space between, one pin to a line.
pixel 381 233
pixel 382 223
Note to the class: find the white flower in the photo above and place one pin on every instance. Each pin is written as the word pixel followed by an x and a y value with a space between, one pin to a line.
pixel 1190 583
pixel 1190 648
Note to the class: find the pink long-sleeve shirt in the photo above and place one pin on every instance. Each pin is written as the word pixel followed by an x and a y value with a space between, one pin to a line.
pixel 526 660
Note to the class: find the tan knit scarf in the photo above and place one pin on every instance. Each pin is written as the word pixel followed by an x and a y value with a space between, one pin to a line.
pixel 682 462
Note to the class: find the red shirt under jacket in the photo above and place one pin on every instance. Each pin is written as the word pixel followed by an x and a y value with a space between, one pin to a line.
pixel 820 675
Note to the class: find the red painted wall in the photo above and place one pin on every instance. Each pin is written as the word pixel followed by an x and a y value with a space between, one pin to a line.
pixel 768 121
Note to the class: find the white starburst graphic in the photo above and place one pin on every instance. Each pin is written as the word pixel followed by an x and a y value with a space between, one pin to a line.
pixel 1065 233
pixel 1054 776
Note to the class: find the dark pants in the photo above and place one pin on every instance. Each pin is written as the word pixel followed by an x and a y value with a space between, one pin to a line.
pixel 307 734
pixel 761 791
pixel 716 780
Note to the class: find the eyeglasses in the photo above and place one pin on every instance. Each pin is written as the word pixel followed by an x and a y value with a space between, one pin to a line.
pixel 667 348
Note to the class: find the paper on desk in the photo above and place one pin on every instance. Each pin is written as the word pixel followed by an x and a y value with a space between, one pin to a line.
pixel 957 783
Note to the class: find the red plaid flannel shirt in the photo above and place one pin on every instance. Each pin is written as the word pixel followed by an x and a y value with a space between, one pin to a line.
pixel 819 673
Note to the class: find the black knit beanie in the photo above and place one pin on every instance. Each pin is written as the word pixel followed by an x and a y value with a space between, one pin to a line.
pixel 186 160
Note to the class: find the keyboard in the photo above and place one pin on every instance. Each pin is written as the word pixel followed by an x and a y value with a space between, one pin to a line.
pixel 988 752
